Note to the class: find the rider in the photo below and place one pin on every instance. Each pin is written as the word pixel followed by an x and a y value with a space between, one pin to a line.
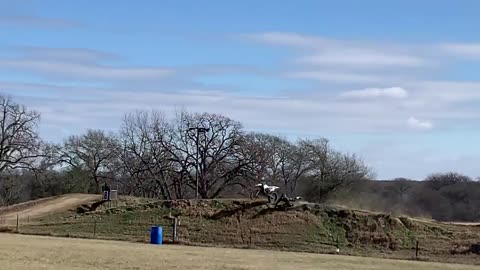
pixel 106 187
pixel 264 185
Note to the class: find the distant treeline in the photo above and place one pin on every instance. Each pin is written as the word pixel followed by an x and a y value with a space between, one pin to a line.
pixel 443 197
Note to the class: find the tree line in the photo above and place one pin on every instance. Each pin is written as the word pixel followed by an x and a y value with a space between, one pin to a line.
pixel 152 155
pixel 442 196
pixel 156 156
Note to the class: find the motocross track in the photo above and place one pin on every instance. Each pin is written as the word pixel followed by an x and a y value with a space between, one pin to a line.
pixel 44 207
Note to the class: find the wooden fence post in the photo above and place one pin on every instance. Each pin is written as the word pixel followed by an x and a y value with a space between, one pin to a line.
pixel 416 250
pixel 174 233
pixel 251 241
pixel 17 223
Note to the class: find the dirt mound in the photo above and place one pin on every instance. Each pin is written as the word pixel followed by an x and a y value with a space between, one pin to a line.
pixel 242 222
pixel 47 206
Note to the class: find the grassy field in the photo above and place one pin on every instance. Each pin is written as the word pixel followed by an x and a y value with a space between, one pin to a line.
pixel 19 252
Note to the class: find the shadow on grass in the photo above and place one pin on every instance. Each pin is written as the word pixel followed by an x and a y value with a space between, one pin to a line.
pixel 241 208
pixel 5 229
pixel 90 208
pixel 281 208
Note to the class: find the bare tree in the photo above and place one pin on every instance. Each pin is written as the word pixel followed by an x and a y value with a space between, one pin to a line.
pixel 20 146
pixel 255 148
pixel 145 158
pixel 92 152
pixel 278 160
pixel 10 188
pixel 331 169
pixel 438 181
pixel 19 140
pixel 272 154
pixel 295 167
pixel 216 161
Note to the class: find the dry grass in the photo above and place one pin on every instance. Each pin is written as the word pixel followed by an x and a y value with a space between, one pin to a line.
pixel 21 252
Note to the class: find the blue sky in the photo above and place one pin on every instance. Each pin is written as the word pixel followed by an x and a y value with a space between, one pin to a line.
pixel 395 82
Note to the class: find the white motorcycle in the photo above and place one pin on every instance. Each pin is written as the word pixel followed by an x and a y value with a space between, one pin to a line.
pixel 265 191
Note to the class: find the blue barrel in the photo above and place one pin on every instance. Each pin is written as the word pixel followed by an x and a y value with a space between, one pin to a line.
pixel 156 235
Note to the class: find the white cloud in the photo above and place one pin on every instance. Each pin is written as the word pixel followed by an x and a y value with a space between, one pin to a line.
pixel 333 76
pixel 368 93
pixel 414 123
pixel 462 49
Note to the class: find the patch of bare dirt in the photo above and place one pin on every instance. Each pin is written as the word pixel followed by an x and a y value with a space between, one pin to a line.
pixel 44 207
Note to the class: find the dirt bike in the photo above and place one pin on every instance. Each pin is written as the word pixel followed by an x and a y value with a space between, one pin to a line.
pixel 265 191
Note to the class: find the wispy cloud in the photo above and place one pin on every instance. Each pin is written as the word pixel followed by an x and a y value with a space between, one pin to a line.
pixel 85 71
pixel 334 52
pixel 381 108
pixel 78 64
pixel 289 39
pixel 70 110
pixel 81 107
pixel 340 85
pixel 361 57
pixel 462 49
pixel 34 21
pixel 415 123
pixel 369 93
pixel 335 76
pixel 446 92
pixel 62 54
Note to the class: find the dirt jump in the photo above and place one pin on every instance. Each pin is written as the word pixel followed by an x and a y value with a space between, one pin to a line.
pixel 44 207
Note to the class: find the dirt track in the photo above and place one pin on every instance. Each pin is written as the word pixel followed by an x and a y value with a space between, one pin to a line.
pixel 44 207
pixel 464 223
